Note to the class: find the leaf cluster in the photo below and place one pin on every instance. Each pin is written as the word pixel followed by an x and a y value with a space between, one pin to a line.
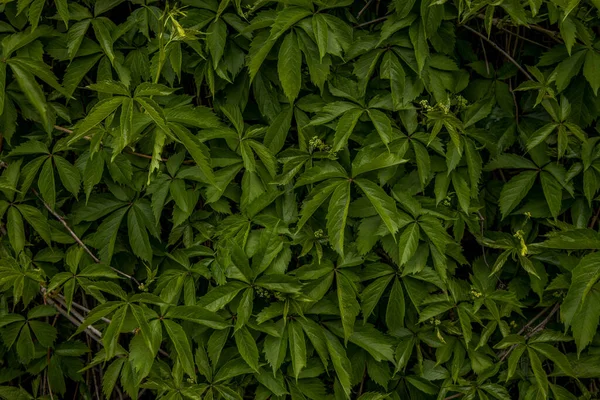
pixel 300 199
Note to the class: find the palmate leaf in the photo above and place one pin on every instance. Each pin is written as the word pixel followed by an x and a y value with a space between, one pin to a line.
pixel 285 20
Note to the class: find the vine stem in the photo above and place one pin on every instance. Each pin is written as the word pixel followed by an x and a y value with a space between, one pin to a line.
pixel 78 240
pixel 501 50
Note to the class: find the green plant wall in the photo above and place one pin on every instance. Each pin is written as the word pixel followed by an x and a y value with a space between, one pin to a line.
pixel 301 199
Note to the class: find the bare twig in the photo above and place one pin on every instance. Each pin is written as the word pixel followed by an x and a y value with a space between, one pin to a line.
pixel 535 330
pixel 523 37
pixel 364 9
pixel 543 324
pixel 454 396
pixel 371 22
pixel 62 301
pixel 92 332
pixel 78 240
pixel 501 50
pixel 532 320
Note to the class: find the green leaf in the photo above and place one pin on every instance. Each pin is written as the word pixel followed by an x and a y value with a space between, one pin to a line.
pixel 102 32
pixel 583 278
pixel 181 345
pixel 541 378
pixel 419 42
pixel 216 39
pixel 36 219
pixel 337 215
pixel 2 86
pixel 46 183
pixel 246 345
pixel 321 32
pixel 381 201
pixel 382 124
pixel 138 236
pixel 220 296
pixel 63 10
pixel 33 92
pixel 277 133
pixel 69 175
pixel 396 308
pixel 552 191
pixel 297 347
pixel 16 230
pixel 515 190
pixel 285 19
pixel 591 70
pixel 340 361
pixel 540 135
pixel 25 346
pixel 348 305
pixel 345 127
pixel 585 321
pixel 197 150
pixel 558 358
pixel 408 242
pixel 288 67
pixel 567 69
pixel 98 114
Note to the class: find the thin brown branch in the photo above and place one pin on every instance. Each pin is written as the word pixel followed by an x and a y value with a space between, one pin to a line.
pixel 92 332
pixel 543 324
pixel 371 22
pixel 454 396
pixel 501 50
pixel 78 240
pixel 535 330
pixel 364 9
pixel 532 320
pixel 523 38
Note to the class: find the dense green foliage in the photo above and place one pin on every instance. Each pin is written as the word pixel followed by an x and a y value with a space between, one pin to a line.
pixel 302 199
